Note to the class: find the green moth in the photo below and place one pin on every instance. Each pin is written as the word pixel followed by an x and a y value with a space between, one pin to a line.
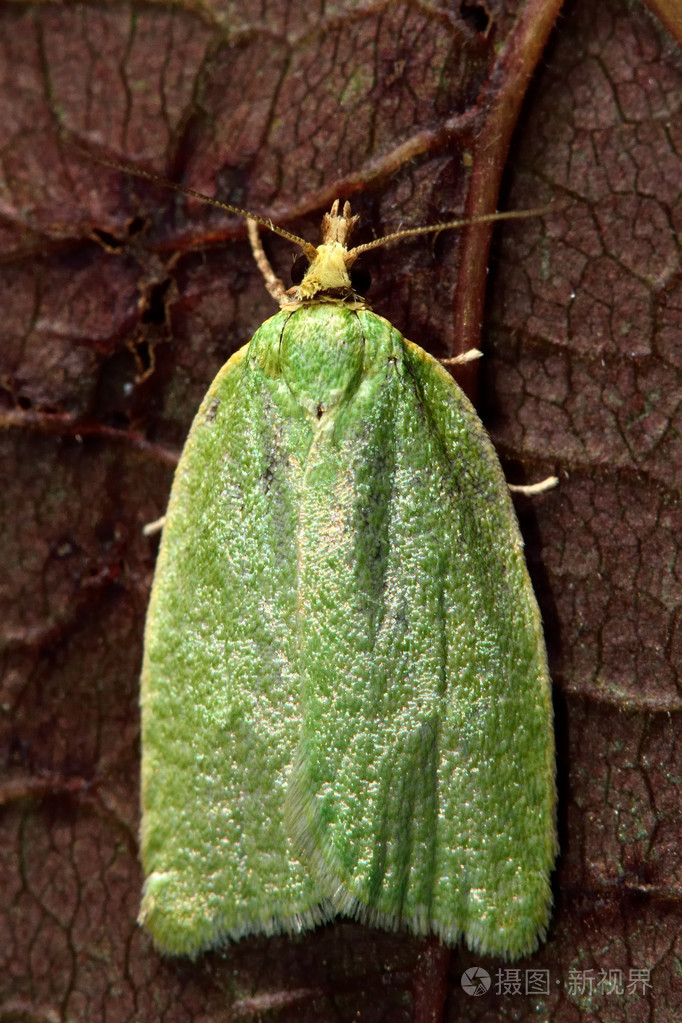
pixel 345 697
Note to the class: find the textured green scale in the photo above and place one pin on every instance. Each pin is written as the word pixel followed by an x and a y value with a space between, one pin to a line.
pixel 346 705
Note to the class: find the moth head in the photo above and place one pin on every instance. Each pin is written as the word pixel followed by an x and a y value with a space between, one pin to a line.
pixel 328 273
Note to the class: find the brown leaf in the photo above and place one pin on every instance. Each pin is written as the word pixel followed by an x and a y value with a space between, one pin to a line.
pixel 120 303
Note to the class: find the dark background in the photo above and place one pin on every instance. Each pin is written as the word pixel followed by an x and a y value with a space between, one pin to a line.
pixel 119 303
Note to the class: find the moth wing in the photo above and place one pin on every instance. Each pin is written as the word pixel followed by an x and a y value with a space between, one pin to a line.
pixel 220 692
pixel 424 786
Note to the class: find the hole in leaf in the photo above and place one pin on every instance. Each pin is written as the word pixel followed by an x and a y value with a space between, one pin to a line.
pixel 476 15
pixel 155 304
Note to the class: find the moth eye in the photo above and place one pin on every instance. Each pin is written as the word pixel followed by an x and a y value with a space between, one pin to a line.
pixel 360 279
pixel 298 269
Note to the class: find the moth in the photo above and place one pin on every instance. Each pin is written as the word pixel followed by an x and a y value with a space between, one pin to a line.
pixel 345 697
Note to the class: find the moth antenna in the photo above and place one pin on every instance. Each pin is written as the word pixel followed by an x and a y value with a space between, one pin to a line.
pixel 486 218
pixel 138 172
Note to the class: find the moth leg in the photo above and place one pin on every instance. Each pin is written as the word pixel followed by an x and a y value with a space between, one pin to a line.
pixel 272 282
pixel 529 489
pixel 152 528
pixel 461 360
